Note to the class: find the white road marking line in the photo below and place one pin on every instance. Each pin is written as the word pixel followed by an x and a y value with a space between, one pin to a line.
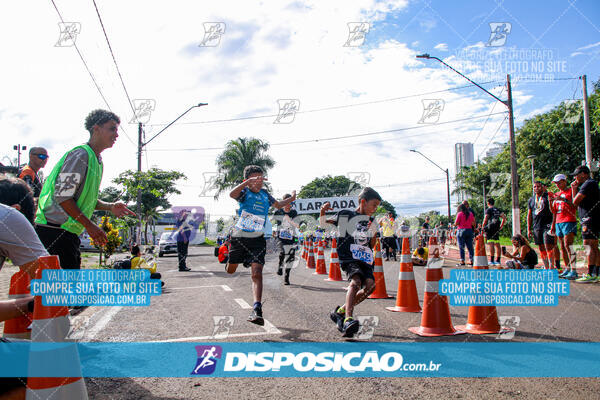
pixel 102 322
pixel 243 303
pixel 202 271
pixel 224 287
pixel 269 329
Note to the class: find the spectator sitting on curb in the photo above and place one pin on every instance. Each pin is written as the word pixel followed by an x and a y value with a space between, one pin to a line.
pixel 137 261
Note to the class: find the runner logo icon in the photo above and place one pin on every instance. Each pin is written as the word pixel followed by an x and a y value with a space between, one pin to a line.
pixel 207 359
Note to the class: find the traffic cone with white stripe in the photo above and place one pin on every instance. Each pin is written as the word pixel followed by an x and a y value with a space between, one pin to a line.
pixel 310 262
pixel 436 319
pixel 482 319
pixel 18 328
pixel 380 291
pixel 335 273
pixel 321 267
pixel 51 324
pixel 407 299
pixel 304 249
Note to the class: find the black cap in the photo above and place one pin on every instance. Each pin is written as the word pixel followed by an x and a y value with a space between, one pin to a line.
pixel 580 169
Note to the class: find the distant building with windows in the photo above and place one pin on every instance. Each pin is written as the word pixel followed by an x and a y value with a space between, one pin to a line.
pixel 494 151
pixel 463 157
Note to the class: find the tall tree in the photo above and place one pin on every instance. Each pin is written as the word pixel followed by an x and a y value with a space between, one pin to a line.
pixel 155 185
pixel 237 155
pixel 328 186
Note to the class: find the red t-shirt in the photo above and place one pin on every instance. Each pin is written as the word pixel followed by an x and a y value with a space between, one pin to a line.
pixel 564 212
pixel 223 252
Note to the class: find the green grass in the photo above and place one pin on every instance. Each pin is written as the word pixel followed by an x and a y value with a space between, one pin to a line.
pixel 210 242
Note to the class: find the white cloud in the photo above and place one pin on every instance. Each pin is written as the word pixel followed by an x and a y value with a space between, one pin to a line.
pixel 278 51
pixel 441 47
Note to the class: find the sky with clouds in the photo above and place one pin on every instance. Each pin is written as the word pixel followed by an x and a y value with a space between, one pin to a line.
pixel 363 98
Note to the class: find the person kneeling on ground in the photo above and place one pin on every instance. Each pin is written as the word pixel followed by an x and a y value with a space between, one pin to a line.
pixel 223 254
pixel 420 256
pixel 523 256
pixel 137 261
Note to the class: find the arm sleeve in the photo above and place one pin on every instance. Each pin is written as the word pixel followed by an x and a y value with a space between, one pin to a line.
pixel 71 178
pixel 18 240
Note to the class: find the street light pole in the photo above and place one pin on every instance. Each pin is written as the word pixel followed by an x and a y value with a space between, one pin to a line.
pixel 516 221
pixel 447 180
pixel 484 202
pixel 141 145
pixel 18 148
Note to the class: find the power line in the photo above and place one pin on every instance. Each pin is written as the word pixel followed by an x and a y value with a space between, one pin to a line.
pixel 488 118
pixel 89 71
pixel 328 108
pixel 495 133
pixel 347 136
pixel 114 60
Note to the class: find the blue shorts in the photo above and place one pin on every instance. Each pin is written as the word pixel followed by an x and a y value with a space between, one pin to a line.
pixel 564 228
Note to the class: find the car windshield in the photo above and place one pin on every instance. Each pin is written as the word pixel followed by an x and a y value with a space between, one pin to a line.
pixel 166 235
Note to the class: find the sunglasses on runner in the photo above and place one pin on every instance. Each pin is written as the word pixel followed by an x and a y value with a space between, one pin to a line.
pixel 42 156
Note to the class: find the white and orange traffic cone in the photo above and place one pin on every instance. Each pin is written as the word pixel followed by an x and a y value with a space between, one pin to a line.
pixel 481 319
pixel 51 324
pixel 436 319
pixel 18 328
pixel 335 273
pixel 310 261
pixel 321 267
pixel 407 299
pixel 380 291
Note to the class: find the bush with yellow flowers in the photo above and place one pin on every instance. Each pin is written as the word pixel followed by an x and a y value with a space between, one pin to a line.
pixel 113 239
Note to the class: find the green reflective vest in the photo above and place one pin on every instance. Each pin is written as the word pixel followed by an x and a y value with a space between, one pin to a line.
pixel 89 195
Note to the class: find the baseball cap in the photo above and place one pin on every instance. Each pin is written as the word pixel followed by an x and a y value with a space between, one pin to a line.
pixel 580 169
pixel 559 177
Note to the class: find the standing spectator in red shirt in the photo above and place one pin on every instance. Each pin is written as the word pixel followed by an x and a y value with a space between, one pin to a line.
pixel 464 222
pixel 564 224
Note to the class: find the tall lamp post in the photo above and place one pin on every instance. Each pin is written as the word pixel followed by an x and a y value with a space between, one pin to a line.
pixel 516 222
pixel 484 202
pixel 532 158
pixel 447 180
pixel 141 145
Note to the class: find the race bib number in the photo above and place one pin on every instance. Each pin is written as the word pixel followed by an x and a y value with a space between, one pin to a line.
pixel 250 222
pixel 362 253
pixel 285 235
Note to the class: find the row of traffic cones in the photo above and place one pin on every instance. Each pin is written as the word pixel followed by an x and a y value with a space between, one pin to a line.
pixel 436 319
pixel 45 324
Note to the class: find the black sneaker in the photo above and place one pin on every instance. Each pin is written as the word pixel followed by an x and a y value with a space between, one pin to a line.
pixel 337 318
pixel 279 271
pixel 185 269
pixel 256 317
pixel 350 328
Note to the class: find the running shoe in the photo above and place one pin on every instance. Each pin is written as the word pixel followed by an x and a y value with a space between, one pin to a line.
pixel 564 273
pixel 572 275
pixel 350 328
pixel 185 269
pixel 462 264
pixel 587 278
pixel 338 318
pixel 256 317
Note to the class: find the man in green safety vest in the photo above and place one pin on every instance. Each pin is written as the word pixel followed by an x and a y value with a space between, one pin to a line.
pixel 70 193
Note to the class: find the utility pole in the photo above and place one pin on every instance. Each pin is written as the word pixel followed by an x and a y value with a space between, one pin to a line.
pixel 514 178
pixel 448 190
pixel 484 202
pixel 586 126
pixel 18 148
pixel 141 145
pixel 139 194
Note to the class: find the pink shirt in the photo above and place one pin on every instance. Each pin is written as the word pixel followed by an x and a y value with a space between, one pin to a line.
pixel 463 222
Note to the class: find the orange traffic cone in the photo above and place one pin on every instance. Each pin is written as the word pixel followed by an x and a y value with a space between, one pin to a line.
pixel 407 299
pixel 18 328
pixel 335 274
pixel 436 319
pixel 304 249
pixel 380 291
pixel 481 319
pixel 51 324
pixel 310 262
pixel 321 267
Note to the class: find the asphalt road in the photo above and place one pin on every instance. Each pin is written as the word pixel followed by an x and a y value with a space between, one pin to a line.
pixel 193 303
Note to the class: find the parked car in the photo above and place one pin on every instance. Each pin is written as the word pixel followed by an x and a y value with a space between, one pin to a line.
pixel 167 244
pixel 84 244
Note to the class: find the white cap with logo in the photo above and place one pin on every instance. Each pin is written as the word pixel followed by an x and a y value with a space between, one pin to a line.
pixel 559 177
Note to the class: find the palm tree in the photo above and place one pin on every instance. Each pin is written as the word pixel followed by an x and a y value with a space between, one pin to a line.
pixel 237 155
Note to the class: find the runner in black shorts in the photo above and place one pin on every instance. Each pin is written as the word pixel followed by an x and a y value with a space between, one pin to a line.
pixel 540 214
pixel 286 234
pixel 248 244
pixel 357 236
pixel 493 222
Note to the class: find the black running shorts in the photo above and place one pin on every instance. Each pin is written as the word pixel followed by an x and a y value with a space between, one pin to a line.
pixel 247 250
